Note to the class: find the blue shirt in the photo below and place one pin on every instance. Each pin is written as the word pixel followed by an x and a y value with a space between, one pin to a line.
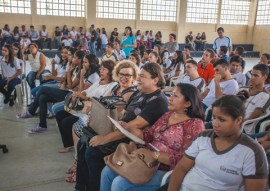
pixel 127 41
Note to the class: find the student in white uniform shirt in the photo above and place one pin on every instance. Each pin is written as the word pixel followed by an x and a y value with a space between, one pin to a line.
pixel 117 51
pixel 192 76
pixel 44 38
pixel 224 158
pixel 67 41
pixel 258 98
pixel 74 36
pixel 10 69
pixel 236 70
pixel 222 84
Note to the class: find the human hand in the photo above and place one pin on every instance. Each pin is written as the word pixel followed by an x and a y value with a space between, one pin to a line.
pixel 8 80
pixel 48 77
pixel 97 140
pixel 83 72
pixel 37 76
pixel 266 145
pixel 217 78
pixel 53 61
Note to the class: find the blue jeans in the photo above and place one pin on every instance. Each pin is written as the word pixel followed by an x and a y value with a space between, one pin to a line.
pixel 92 47
pixel 90 163
pixel 10 86
pixel 44 96
pixel 110 181
pixel 31 77
pixel 59 106
pixel 49 84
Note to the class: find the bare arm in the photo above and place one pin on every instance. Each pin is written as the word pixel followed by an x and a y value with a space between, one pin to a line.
pixel 204 94
pixel 138 123
pixel 179 173
pixel 42 65
pixel 256 113
pixel 255 184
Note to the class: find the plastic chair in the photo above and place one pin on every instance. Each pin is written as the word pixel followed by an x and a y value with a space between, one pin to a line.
pixel 165 177
pixel 255 121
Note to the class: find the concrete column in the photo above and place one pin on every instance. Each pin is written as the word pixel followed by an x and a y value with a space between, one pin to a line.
pixel 252 20
pixel 34 20
pixel 90 13
pixel 138 13
pixel 181 20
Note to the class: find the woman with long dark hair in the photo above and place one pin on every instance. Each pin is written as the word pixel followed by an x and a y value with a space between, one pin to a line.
pixel 128 41
pixel 11 69
pixel 171 135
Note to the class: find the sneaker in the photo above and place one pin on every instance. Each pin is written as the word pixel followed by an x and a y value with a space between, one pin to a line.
pixel 37 130
pixel 24 115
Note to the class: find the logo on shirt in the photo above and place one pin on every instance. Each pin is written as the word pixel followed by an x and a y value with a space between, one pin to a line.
pixel 229 171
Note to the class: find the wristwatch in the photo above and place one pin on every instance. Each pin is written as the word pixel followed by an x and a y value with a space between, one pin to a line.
pixel 156 155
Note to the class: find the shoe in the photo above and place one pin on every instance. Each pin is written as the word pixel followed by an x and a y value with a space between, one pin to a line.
pixel 65 149
pixel 37 130
pixel 11 101
pixel 72 168
pixel 24 115
pixel 71 178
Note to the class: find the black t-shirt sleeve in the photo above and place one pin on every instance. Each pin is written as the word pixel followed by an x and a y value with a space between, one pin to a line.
pixel 154 110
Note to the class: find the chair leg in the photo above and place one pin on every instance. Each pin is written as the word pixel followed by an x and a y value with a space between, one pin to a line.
pixel 18 89
pixel 4 147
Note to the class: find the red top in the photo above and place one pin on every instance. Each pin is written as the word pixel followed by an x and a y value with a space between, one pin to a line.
pixel 173 139
pixel 207 73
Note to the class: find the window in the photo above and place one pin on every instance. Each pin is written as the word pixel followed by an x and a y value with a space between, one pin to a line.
pixel 73 8
pixel 158 10
pixel 12 6
pixel 202 11
pixel 235 12
pixel 116 9
pixel 263 13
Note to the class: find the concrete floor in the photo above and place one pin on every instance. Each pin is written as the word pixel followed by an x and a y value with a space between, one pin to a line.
pixel 33 162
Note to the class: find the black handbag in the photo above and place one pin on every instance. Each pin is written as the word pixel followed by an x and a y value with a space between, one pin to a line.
pixel 106 149
pixel 73 103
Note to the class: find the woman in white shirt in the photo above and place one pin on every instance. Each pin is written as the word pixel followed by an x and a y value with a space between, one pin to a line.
pixel 11 69
pixel 58 72
pixel 37 62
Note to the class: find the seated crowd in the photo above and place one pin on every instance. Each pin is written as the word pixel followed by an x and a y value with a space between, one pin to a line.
pixel 137 69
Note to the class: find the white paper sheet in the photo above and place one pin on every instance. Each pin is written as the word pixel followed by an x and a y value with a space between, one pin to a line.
pixel 126 132
pixel 57 59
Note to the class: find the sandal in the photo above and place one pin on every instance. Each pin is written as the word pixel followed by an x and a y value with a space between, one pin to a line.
pixel 65 149
pixel 72 168
pixel 72 178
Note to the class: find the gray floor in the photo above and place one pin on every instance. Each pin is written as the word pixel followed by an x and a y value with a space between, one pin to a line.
pixel 33 162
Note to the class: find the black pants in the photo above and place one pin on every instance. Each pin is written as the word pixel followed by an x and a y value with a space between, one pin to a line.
pixel 90 163
pixel 65 122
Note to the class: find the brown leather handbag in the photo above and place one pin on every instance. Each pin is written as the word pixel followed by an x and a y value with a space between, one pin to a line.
pixel 130 163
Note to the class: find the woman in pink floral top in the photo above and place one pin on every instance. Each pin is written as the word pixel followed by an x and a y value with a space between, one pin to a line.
pixel 171 134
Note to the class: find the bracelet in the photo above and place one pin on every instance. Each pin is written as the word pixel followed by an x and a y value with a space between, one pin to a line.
pixel 156 155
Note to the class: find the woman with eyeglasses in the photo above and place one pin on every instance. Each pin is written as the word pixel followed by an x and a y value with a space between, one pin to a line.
pixel 147 104
pixel 171 135
pixel 128 41
pixel 125 74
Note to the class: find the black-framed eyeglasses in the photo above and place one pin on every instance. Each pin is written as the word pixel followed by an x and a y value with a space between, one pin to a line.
pixel 127 76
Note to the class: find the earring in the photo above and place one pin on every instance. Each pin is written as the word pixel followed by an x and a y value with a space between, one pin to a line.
pixel 185 110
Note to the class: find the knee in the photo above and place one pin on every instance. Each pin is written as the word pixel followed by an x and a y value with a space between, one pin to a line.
pixel 120 183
